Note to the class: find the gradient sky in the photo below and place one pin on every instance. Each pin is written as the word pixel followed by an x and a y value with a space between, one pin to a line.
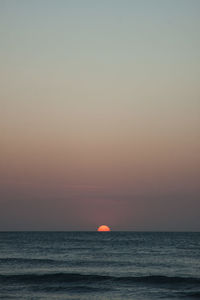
pixel 100 114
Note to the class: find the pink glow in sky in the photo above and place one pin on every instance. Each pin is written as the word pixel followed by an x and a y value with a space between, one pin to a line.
pixel 100 115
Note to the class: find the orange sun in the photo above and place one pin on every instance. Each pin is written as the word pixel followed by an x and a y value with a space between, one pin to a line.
pixel 103 228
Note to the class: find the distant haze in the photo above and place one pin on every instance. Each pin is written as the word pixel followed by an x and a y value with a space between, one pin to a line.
pixel 100 115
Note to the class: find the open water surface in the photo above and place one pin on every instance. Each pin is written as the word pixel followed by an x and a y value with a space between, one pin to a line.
pixel 99 265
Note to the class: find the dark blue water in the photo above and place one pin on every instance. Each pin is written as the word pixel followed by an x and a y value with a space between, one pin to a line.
pixel 99 265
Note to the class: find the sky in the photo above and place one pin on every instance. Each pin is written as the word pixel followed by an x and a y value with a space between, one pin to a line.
pixel 100 115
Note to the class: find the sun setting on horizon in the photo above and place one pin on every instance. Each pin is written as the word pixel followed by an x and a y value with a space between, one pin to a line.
pixel 103 228
pixel 100 115
pixel 100 127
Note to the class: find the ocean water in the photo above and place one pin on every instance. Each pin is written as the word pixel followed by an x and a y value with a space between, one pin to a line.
pixel 99 265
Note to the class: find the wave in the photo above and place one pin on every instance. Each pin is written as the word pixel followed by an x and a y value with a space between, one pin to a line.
pixel 89 278
pixel 26 260
pixel 63 262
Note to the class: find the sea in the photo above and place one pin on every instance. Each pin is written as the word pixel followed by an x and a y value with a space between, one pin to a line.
pixel 99 265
